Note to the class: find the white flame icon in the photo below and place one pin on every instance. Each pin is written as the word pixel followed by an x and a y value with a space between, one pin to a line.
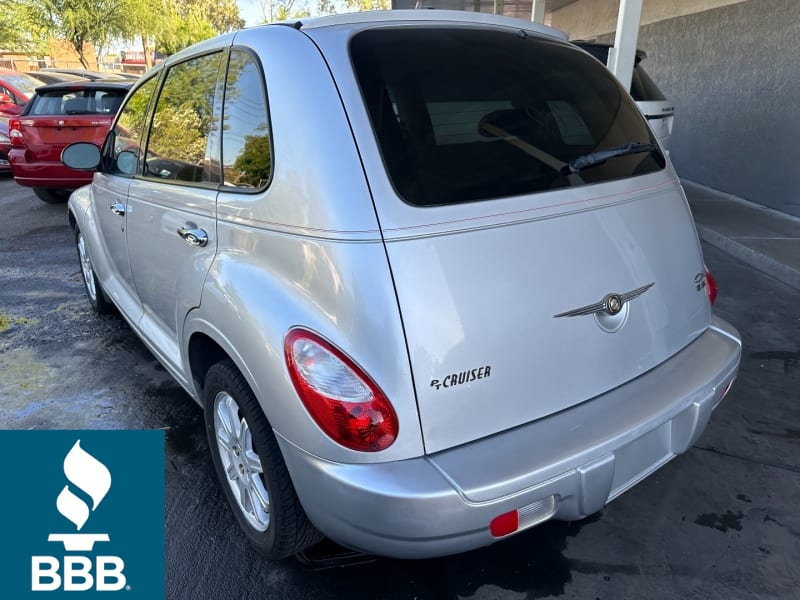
pixel 92 477
pixel 87 474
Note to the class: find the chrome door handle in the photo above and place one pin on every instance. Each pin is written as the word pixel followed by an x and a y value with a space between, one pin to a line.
pixel 118 208
pixel 194 237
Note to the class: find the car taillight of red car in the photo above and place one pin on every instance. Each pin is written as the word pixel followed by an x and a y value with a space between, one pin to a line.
pixel 15 133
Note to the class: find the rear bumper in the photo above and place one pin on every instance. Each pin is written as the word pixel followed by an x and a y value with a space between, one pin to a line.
pixel 46 174
pixel 565 466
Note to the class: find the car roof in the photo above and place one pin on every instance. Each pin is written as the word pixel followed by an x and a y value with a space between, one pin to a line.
pixel 100 84
pixel 4 72
pixel 54 76
pixel 423 16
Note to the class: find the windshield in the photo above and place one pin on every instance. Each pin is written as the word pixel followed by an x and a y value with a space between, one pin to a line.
pixel 465 114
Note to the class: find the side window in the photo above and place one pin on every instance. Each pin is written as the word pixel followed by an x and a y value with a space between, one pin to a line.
pixel 182 121
pixel 9 93
pixel 246 136
pixel 128 132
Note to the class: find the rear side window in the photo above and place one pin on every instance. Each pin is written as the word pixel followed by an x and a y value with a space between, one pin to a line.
pixel 182 122
pixel 466 114
pixel 246 140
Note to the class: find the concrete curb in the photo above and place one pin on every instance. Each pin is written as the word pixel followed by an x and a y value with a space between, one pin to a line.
pixel 780 271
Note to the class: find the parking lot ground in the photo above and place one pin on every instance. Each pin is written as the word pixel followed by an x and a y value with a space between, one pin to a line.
pixel 720 521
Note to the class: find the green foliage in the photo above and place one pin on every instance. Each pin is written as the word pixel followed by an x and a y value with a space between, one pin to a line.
pixel 171 25
pixel 190 21
pixel 183 118
pixel 178 134
pixel 180 32
pixel 82 22
pixel 364 5
pixel 326 7
pixel 280 10
pixel 23 28
pixel 253 165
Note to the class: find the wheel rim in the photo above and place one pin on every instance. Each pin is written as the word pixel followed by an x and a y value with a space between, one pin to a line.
pixel 86 268
pixel 240 461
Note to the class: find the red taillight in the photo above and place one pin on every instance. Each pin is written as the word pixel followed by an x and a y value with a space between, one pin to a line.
pixel 505 524
pixel 346 404
pixel 15 133
pixel 711 286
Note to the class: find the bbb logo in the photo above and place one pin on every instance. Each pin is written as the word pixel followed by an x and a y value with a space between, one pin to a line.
pixel 87 520
pixel 79 572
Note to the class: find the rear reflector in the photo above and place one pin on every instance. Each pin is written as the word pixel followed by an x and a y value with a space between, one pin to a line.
pixel 523 518
pixel 504 524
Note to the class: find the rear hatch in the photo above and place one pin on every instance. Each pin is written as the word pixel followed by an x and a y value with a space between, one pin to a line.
pixel 527 203
pixel 59 116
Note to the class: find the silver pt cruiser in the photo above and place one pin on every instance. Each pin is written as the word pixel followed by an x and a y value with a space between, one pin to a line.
pixel 429 274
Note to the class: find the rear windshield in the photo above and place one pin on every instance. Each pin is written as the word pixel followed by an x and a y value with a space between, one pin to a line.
pixel 24 83
pixel 77 102
pixel 644 88
pixel 468 114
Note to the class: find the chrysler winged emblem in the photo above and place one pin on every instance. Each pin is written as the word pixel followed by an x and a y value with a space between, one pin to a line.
pixel 612 304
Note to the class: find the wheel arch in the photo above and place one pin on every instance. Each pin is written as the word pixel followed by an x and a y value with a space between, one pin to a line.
pixel 202 353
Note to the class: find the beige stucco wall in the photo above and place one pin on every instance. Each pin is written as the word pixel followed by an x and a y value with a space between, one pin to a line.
pixel 586 19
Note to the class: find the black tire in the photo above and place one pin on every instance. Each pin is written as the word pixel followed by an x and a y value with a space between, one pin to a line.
pixel 94 291
pixel 287 530
pixel 52 196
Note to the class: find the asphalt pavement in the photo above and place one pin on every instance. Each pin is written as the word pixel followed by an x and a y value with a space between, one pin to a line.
pixel 719 522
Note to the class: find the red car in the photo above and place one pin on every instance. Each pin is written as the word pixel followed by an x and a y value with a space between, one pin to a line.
pixel 15 90
pixel 60 114
pixel 5 145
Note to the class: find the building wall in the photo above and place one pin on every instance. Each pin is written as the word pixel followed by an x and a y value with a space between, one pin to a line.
pixel 586 19
pixel 734 75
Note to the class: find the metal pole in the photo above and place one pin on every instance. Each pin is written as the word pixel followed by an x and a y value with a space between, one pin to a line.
pixel 537 11
pixel 621 57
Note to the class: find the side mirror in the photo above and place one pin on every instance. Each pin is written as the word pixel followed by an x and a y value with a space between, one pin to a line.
pixel 6 99
pixel 127 162
pixel 81 156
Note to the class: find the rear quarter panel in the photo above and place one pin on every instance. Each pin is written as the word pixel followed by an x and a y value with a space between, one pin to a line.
pixel 306 252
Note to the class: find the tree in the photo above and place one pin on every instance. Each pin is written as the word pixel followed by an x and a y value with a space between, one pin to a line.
pixel 23 28
pixel 364 5
pixel 253 165
pixel 169 26
pixel 280 10
pixel 84 22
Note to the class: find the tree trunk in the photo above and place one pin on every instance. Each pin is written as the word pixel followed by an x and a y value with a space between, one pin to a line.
pixel 78 45
pixel 148 62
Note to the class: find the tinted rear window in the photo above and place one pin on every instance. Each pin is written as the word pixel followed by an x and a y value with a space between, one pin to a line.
pixel 77 102
pixel 468 114
pixel 644 88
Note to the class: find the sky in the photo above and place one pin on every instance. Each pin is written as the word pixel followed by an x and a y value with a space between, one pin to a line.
pixel 250 11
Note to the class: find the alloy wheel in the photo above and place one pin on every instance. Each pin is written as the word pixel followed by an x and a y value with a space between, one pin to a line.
pixel 241 462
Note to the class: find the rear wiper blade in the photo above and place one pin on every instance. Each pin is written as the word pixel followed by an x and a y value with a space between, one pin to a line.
pixel 595 158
